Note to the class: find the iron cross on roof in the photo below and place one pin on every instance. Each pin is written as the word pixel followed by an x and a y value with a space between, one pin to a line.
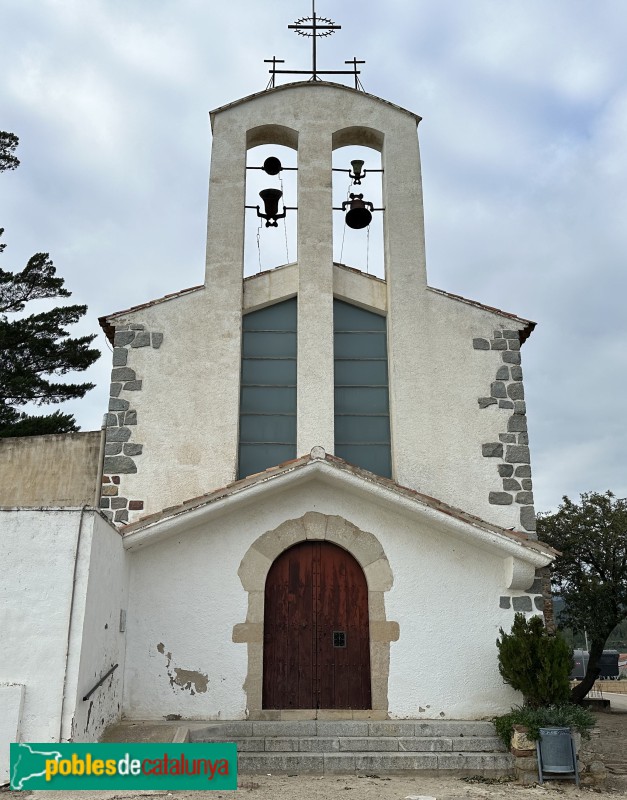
pixel 314 27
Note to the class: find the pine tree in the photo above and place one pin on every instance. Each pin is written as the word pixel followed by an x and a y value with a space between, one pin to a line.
pixel 34 348
pixel 8 146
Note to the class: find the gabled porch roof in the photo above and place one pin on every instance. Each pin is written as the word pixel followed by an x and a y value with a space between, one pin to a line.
pixel 523 553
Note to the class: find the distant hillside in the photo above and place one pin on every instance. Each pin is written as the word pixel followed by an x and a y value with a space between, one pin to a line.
pixel 617 640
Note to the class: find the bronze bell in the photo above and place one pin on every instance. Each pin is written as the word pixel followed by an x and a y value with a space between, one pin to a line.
pixel 272 165
pixel 356 175
pixel 359 215
pixel 271 199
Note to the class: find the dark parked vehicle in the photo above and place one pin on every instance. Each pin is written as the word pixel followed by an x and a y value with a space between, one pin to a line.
pixel 608 664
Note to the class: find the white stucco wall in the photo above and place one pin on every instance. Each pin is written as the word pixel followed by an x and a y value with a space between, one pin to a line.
pixel 186 598
pixel 63 573
pixel 37 551
pixel 270 287
pixel 11 703
pixel 103 644
pixel 189 439
pixel 187 408
pixel 436 377
pixel 438 428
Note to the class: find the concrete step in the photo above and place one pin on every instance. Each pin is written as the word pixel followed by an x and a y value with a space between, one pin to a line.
pixel 377 763
pixel 352 746
pixel 238 729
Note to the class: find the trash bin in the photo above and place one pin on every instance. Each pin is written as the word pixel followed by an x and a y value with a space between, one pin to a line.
pixel 556 755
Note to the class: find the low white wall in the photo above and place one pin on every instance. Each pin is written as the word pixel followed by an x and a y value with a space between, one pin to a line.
pixel 186 598
pixel 37 551
pixel 64 580
pixel 11 702
pixel 103 644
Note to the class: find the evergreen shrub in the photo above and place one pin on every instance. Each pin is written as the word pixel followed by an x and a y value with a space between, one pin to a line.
pixel 535 662
pixel 564 716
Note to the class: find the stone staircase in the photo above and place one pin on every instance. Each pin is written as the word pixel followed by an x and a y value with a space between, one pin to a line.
pixel 319 747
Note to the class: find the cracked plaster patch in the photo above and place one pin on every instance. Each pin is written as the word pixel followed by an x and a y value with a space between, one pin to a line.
pixel 192 681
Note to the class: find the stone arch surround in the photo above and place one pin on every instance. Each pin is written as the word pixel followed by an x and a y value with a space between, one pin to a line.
pixel 253 570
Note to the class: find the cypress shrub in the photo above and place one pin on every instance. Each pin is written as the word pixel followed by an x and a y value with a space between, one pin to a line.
pixel 535 662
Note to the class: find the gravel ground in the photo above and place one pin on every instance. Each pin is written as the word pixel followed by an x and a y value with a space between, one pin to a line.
pixel 276 787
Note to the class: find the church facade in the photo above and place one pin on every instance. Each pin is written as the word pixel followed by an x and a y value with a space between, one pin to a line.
pixel 342 459
pixel 316 486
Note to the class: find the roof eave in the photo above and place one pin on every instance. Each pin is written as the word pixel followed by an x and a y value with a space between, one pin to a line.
pixel 531 553
pixel 109 328
pixel 528 325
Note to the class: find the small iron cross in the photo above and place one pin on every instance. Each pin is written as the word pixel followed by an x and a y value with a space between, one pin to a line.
pixel 355 62
pixel 274 61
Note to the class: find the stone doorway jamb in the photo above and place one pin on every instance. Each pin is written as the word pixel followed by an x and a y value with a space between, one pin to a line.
pixel 253 570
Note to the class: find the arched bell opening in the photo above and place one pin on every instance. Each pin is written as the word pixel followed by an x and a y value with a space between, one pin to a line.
pixel 271 185
pixel 316 646
pixel 357 203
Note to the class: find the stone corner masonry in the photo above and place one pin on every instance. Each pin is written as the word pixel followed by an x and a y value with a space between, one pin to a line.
pixel 120 452
pixel 511 451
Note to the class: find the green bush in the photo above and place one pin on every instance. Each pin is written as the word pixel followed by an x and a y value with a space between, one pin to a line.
pixel 564 716
pixel 535 662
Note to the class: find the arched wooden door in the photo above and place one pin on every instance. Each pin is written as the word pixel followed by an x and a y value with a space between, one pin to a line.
pixel 316 651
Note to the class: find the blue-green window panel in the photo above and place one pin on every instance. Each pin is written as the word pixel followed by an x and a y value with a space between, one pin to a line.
pixel 268 399
pixel 268 390
pixel 269 372
pixel 279 317
pixel 279 428
pixel 362 400
pixel 351 318
pixel 362 429
pixel 269 344
pixel 373 457
pixel 360 345
pixel 255 458
pixel 362 422
pixel 361 372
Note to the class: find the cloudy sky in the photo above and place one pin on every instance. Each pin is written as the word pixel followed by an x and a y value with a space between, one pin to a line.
pixel 524 148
